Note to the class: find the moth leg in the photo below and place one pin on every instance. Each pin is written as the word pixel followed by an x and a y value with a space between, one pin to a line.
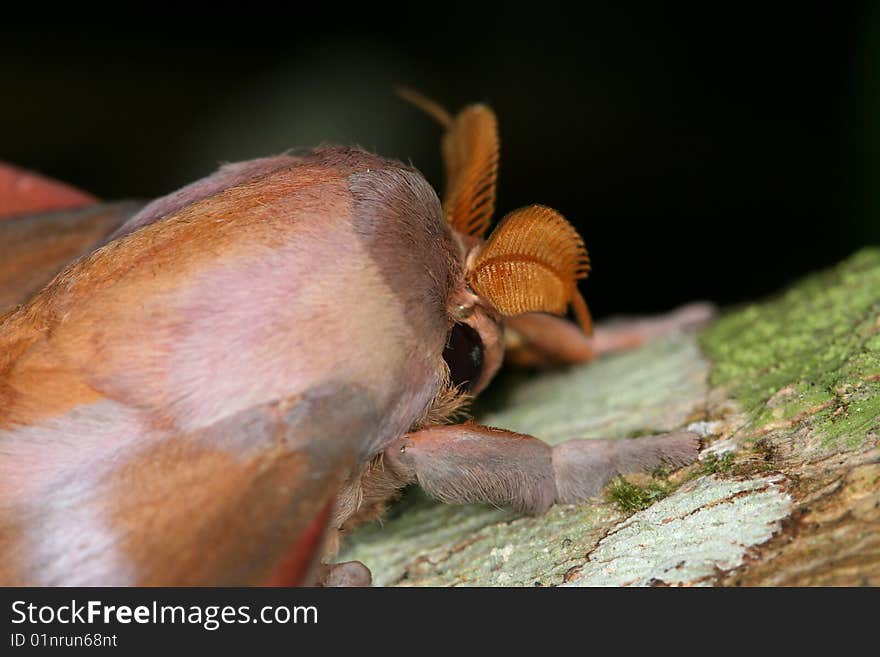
pixel 472 463
pixel 539 340
pixel 536 339
pixel 347 573
pixel 617 334
pixel 362 498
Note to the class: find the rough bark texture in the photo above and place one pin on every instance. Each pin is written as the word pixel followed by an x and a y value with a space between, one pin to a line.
pixel 787 395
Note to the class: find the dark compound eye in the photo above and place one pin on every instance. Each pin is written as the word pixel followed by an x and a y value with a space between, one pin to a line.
pixel 464 355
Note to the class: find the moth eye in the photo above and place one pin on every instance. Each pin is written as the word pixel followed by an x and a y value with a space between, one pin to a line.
pixel 464 355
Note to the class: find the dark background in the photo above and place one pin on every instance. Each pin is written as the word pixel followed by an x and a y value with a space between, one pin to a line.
pixel 711 153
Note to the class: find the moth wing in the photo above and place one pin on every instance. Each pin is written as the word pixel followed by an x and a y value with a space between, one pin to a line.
pixel 35 247
pixel 245 501
pixel 25 192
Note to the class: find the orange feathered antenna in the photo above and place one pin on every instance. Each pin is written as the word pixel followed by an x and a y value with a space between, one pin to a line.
pixel 470 155
pixel 428 106
pixel 534 258
pixel 531 263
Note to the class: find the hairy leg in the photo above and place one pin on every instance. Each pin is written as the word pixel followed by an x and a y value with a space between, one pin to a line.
pixel 466 463
pixel 473 463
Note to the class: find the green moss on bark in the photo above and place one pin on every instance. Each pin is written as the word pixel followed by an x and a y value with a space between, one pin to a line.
pixel 629 497
pixel 813 351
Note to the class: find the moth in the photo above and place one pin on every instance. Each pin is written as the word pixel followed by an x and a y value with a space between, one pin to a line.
pixel 216 386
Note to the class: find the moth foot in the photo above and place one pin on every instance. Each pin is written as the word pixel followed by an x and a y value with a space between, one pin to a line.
pixel 348 573
pixel 625 333
pixel 583 467
pixel 689 317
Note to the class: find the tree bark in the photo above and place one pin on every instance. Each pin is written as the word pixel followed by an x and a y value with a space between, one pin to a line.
pixel 786 393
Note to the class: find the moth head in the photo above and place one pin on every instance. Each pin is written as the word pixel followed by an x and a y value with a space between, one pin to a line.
pixel 531 262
